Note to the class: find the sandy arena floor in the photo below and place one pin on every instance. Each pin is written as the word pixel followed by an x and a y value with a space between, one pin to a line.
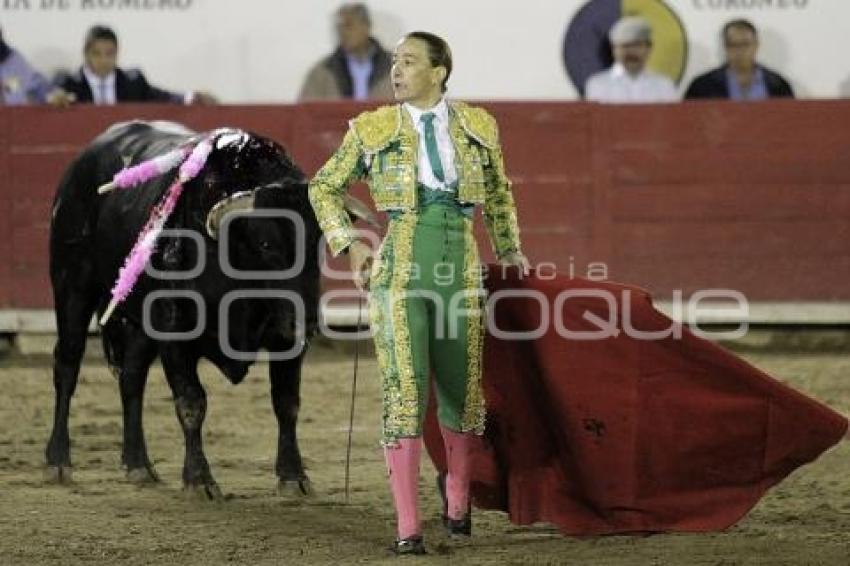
pixel 104 519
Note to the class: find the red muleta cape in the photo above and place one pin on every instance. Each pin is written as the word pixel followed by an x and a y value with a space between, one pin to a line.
pixel 621 434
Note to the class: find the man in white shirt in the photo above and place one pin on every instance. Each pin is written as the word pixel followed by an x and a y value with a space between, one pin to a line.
pixel 628 80
pixel 428 162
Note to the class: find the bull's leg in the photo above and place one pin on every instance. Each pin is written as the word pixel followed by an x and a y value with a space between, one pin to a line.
pixel 73 312
pixel 190 402
pixel 140 353
pixel 285 389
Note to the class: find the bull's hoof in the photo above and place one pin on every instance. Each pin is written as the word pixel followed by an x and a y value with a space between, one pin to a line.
pixel 204 491
pixel 143 476
pixel 59 475
pixel 295 489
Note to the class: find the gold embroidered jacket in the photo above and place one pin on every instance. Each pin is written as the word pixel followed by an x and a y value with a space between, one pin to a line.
pixel 382 146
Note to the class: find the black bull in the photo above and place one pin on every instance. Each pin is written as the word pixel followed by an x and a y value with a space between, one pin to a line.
pixel 90 236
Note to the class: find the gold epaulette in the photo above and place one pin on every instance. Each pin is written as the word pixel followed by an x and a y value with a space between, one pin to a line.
pixel 478 123
pixel 377 128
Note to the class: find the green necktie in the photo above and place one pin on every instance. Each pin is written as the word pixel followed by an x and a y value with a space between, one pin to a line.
pixel 431 146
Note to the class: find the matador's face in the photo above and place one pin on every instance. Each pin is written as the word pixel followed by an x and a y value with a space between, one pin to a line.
pixel 415 80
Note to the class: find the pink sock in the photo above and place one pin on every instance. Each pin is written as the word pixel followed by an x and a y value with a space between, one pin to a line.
pixel 403 468
pixel 458 446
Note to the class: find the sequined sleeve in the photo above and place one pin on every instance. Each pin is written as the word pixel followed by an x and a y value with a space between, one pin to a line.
pixel 500 217
pixel 328 188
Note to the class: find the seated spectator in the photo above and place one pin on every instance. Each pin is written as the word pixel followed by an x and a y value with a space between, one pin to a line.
pixel 741 77
pixel 628 80
pixel 101 81
pixel 22 84
pixel 358 69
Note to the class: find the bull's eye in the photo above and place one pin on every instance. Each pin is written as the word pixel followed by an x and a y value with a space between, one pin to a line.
pixel 265 245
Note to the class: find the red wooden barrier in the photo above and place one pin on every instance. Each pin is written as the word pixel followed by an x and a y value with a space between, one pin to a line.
pixel 752 197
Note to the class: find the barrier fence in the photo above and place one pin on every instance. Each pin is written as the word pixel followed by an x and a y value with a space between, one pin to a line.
pixel 750 197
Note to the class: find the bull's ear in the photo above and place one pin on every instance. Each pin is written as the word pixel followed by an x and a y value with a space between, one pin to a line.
pixel 358 209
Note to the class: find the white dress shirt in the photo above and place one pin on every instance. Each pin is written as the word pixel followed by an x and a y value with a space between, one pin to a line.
pixel 102 88
pixel 617 86
pixel 445 147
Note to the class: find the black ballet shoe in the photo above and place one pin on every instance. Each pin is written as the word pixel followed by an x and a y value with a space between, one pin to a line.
pixel 458 527
pixel 455 527
pixel 411 545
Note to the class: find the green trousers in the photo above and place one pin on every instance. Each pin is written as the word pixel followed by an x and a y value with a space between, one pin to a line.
pixel 426 312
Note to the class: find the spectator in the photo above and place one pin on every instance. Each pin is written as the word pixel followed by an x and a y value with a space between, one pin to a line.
pixel 628 80
pixel 741 77
pixel 358 69
pixel 101 81
pixel 21 84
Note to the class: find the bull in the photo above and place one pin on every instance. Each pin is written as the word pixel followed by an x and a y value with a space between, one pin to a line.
pixel 91 234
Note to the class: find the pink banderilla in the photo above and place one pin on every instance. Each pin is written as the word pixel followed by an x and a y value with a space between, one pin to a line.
pixel 145 244
pixel 145 171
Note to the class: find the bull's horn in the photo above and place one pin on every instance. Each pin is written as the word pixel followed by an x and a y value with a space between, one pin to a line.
pixel 359 209
pixel 243 200
pixel 106 187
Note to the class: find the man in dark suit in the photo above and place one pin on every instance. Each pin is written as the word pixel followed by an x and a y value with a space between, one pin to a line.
pixel 101 81
pixel 741 78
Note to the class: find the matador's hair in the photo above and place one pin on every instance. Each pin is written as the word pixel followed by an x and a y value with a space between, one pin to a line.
pixel 439 52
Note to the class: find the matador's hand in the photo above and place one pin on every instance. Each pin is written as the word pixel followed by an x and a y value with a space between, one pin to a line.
pixel 360 256
pixel 516 259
